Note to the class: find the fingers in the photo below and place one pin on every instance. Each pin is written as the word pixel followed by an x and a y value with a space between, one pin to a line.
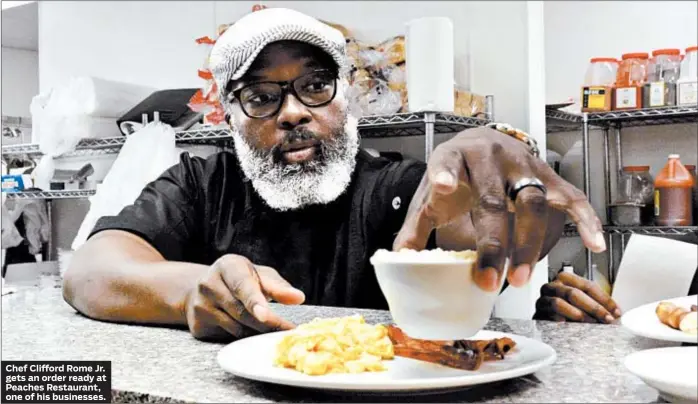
pixel 219 297
pixel 557 308
pixel 558 318
pixel 442 195
pixel 591 289
pixel 277 287
pixel 564 196
pixel 491 221
pixel 239 276
pixel 548 315
pixel 529 233
pixel 445 168
pixel 578 299
pixel 226 326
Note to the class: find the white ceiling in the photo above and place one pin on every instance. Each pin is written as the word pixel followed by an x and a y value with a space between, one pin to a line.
pixel 20 27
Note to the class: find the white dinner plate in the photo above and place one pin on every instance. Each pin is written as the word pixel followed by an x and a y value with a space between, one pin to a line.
pixel 672 371
pixel 252 358
pixel 643 321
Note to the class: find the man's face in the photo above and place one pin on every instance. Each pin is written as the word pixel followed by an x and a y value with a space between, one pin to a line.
pixel 301 154
pixel 284 62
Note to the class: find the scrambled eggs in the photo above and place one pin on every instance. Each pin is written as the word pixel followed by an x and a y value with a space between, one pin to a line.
pixel 335 345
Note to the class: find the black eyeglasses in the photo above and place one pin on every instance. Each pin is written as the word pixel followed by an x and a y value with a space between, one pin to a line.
pixel 264 99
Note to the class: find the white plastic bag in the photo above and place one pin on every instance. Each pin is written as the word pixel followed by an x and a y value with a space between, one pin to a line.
pixel 79 108
pixel 10 234
pixel 142 159
pixel 97 97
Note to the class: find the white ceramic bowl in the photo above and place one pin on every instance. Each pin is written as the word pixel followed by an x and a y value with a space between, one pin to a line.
pixel 431 294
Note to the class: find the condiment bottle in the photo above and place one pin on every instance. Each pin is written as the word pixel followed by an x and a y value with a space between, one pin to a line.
pixel 687 85
pixel 673 189
pixel 692 169
pixel 632 75
pixel 597 92
pixel 662 75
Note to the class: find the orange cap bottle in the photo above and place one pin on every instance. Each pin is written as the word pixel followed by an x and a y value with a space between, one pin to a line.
pixel 673 188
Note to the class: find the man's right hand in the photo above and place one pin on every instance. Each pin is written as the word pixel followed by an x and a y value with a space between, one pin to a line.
pixel 572 298
pixel 231 300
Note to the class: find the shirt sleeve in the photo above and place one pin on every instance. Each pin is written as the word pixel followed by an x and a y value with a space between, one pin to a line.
pixel 165 213
pixel 394 189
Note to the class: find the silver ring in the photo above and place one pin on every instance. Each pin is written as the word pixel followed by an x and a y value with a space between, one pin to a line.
pixel 523 183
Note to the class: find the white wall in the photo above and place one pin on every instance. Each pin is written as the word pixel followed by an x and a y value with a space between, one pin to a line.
pixel 20 81
pixel 579 30
pixel 153 43
pixel 126 43
pixel 143 42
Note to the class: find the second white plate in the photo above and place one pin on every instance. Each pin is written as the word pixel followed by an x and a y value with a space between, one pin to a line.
pixel 643 321
pixel 252 358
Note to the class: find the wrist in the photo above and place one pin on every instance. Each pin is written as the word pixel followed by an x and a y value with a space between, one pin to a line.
pixel 517 134
pixel 179 280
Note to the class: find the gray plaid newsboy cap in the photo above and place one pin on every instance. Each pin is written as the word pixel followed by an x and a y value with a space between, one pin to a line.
pixel 240 44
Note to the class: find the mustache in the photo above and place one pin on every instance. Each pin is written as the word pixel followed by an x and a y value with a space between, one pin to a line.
pixel 294 136
pixel 298 135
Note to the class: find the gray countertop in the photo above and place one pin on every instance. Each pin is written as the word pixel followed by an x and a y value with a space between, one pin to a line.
pixel 152 364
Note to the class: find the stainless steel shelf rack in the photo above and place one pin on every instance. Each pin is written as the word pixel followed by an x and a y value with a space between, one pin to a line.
pixel 558 121
pixel 111 145
pixel 645 117
pixel 410 124
pixel 571 230
pixel 83 193
pixel 425 124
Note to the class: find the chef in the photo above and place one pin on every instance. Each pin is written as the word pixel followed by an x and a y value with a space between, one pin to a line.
pixel 295 213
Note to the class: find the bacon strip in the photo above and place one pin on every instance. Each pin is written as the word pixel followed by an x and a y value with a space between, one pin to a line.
pixel 461 354
pixel 492 349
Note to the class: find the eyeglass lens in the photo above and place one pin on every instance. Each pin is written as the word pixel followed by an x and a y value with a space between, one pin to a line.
pixel 264 99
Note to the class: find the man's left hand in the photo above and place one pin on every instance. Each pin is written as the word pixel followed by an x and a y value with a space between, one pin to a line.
pixel 572 298
pixel 474 173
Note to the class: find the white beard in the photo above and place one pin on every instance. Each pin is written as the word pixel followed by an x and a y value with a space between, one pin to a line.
pixel 292 186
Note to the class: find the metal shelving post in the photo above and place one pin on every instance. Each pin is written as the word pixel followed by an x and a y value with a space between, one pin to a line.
pixel 429 121
pixel 587 182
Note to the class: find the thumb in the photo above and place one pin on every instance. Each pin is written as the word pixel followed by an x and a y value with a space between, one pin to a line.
pixel 278 288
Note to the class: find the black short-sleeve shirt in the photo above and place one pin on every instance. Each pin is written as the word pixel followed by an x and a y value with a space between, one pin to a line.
pixel 201 209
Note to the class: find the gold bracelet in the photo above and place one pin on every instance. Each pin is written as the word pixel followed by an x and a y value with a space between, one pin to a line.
pixel 516 134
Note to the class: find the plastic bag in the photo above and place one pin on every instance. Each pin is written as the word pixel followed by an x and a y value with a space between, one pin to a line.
pixel 10 234
pixel 43 173
pixel 373 97
pixel 36 225
pixel 469 104
pixel 377 77
pixel 96 97
pixel 82 107
pixel 142 159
